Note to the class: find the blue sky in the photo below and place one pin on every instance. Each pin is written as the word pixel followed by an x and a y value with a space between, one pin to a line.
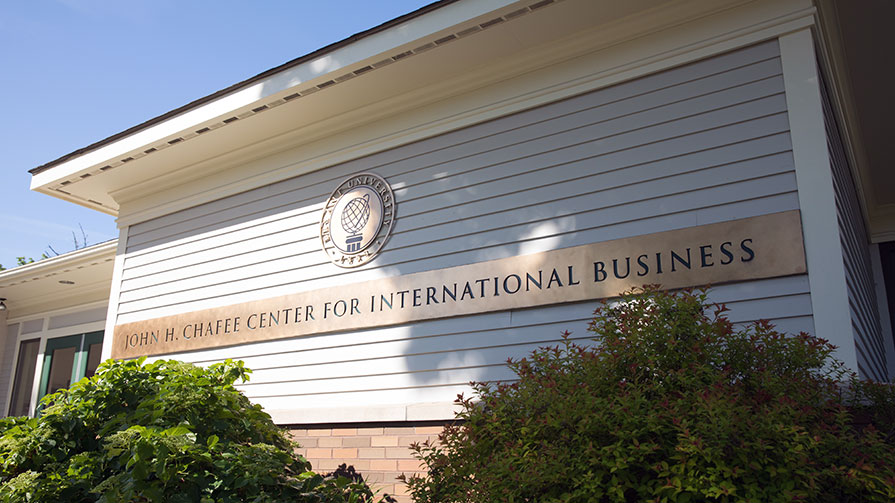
pixel 76 71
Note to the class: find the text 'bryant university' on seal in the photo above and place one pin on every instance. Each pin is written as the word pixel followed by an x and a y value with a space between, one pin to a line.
pixel 357 220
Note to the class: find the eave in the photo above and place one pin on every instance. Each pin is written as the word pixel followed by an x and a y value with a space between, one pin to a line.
pixel 854 37
pixel 65 281
pixel 460 63
pixel 91 176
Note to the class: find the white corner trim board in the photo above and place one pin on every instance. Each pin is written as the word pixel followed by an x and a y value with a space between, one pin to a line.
pixel 115 293
pixel 826 269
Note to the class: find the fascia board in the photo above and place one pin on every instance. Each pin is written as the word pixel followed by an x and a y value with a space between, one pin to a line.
pixel 677 33
pixel 59 263
pixel 882 223
pixel 87 296
pixel 334 61
pixel 47 310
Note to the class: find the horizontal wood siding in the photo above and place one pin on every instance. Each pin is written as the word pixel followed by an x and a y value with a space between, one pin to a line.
pixel 698 144
pixel 855 241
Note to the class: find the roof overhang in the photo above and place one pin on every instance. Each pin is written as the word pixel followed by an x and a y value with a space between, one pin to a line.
pixel 444 49
pixel 856 38
pixel 70 280
pixel 340 102
pixel 278 107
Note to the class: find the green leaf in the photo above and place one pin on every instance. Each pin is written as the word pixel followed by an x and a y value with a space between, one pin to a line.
pixel 180 429
pixel 130 433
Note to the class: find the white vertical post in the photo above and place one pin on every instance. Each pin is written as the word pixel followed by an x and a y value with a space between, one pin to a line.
pixel 817 200
pixel 38 371
pixel 114 294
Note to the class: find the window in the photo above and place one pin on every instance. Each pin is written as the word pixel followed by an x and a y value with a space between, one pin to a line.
pixel 67 360
pixel 20 403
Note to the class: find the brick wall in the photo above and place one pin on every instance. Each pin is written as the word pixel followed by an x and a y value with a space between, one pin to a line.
pixel 380 452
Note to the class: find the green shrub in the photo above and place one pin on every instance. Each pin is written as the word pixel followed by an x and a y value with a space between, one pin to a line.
pixel 674 403
pixel 164 431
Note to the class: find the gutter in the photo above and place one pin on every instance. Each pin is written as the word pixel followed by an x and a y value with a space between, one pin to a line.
pixel 245 83
pixel 66 260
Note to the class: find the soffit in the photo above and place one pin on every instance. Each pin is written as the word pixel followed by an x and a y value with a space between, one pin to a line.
pixel 324 95
pixel 65 281
pixel 856 38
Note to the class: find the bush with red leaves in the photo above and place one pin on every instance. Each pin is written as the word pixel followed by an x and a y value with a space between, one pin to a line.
pixel 673 403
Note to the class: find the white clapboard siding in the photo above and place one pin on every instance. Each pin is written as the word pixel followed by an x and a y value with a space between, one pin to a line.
pixel 855 241
pixel 651 190
pixel 302 399
pixel 411 157
pixel 589 156
pixel 553 206
pixel 492 326
pixel 458 351
pixel 227 251
pixel 275 273
pixel 499 179
pixel 417 353
pixel 477 347
pixel 435 370
pixel 523 148
pixel 702 143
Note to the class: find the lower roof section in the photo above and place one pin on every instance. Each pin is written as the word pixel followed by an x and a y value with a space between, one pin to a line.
pixel 66 281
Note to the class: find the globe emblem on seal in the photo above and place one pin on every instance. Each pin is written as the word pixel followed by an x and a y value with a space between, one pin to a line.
pixel 354 217
pixel 357 220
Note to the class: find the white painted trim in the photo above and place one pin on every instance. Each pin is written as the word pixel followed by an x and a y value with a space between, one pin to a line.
pixel 817 198
pixel 38 368
pixel 45 335
pixel 32 290
pixel 58 263
pixel 97 291
pixel 57 312
pixel 318 69
pixel 882 223
pixel 434 411
pixel 115 293
pixel 93 326
pixel 605 57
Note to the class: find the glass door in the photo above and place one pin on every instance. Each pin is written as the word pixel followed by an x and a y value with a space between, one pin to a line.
pixel 91 352
pixel 20 403
pixel 67 360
